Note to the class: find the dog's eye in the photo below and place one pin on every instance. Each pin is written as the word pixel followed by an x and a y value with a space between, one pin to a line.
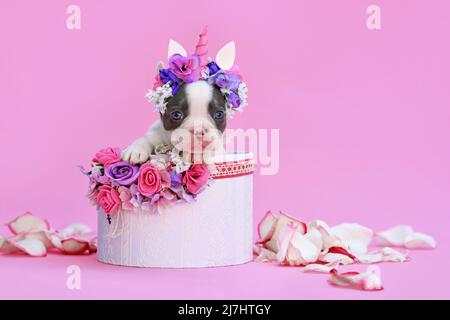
pixel 218 115
pixel 176 115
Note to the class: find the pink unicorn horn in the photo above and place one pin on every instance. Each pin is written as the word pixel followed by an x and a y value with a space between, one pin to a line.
pixel 201 49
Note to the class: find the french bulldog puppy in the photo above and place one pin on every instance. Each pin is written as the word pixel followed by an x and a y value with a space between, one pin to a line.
pixel 194 122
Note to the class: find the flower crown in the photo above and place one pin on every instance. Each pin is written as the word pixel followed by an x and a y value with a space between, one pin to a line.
pixel 184 68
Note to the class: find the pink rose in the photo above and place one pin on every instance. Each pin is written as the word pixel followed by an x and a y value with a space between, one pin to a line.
pixel 149 181
pixel 195 178
pixel 108 199
pixel 126 197
pixel 107 156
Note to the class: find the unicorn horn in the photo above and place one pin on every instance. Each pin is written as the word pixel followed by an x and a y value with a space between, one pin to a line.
pixel 201 49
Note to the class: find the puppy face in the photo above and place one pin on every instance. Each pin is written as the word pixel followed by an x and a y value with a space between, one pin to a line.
pixel 196 115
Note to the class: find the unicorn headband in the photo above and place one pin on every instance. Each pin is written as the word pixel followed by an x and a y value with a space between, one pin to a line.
pixel 184 68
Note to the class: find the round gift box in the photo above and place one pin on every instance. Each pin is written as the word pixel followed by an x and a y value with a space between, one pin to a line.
pixel 215 230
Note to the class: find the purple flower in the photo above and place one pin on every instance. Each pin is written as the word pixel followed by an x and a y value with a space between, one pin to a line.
pixel 213 68
pixel 185 68
pixel 175 179
pixel 225 80
pixel 175 87
pixel 166 75
pixel 137 197
pixel 233 99
pixel 123 173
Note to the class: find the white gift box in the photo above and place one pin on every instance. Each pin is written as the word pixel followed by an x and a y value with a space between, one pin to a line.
pixel 215 230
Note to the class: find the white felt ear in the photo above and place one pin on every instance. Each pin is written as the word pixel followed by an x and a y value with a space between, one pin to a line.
pixel 175 47
pixel 225 57
pixel 159 66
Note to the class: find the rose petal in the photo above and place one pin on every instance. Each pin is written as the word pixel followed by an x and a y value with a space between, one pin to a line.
pixel 282 221
pixel 263 254
pixel 302 250
pixel 355 236
pixel 368 280
pixel 321 268
pixel 7 247
pixel 330 257
pixel 75 229
pixel 392 255
pixel 27 223
pixel 394 236
pixel 93 245
pixel 419 240
pixel 74 246
pixel 32 247
pixel 55 239
pixel 284 240
pixel 367 258
pixel 40 236
pixel 315 236
pixel 319 224
pixel 266 227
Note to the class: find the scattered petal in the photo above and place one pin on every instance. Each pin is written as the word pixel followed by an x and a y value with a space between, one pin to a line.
pixel 263 254
pixel 333 257
pixel 74 246
pixel 40 236
pixel 284 240
pixel 404 235
pixel 93 245
pixel 419 240
pixel 75 229
pixel 32 247
pixel 302 249
pixel 282 222
pixel 392 255
pixel 356 237
pixel 394 236
pixel 266 227
pixel 27 222
pixel 321 268
pixel 368 280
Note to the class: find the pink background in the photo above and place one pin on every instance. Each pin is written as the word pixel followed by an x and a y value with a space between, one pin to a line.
pixel 363 118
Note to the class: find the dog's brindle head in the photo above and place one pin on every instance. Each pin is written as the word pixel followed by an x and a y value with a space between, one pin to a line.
pixel 199 109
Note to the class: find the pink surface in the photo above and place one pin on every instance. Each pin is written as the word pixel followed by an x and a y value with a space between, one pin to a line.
pixel 363 118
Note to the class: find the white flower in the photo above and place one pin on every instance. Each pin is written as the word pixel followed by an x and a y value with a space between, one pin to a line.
pixel 159 96
pixel 242 93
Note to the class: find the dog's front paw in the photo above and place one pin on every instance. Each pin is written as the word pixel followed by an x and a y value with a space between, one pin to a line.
pixel 137 152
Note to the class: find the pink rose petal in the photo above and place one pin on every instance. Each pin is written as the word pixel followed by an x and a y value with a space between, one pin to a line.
pixel 7 247
pixel 419 240
pixel 93 245
pixel 281 223
pixel 333 257
pixel 32 247
pixel 392 255
pixel 263 254
pixel 75 229
pixel 266 227
pixel 394 236
pixel 404 235
pixel 27 222
pixel 303 249
pixel 41 236
pixel 368 280
pixel 74 246
pixel 355 236
pixel 55 239
pixel 284 239
pixel 321 268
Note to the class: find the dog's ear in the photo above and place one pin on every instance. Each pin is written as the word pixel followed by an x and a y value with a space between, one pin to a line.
pixel 175 47
pixel 225 57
